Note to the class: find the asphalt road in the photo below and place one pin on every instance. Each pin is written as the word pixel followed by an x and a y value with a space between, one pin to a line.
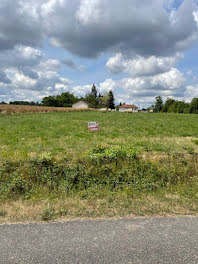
pixel 149 241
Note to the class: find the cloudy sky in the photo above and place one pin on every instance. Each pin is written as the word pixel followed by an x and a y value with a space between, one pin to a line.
pixel 138 49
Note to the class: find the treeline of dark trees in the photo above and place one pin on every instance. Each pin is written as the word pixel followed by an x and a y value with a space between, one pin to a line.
pixel 93 98
pixel 22 103
pixel 63 100
pixel 175 106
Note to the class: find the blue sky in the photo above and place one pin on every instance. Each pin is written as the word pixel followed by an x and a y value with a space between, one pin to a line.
pixel 138 49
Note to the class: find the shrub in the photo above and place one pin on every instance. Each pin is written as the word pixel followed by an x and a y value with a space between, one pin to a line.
pixel 48 214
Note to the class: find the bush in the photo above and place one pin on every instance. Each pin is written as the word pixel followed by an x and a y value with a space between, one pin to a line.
pixel 110 168
pixel 48 214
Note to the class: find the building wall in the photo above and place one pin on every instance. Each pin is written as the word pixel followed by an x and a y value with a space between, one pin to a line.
pixel 80 105
pixel 128 110
pixel 124 109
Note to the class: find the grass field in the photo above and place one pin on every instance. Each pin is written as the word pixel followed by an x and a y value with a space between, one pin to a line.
pixel 66 134
pixel 51 167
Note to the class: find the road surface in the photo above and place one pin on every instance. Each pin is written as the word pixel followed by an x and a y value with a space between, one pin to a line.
pixel 149 241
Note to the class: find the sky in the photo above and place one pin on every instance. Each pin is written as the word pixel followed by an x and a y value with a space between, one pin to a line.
pixel 137 49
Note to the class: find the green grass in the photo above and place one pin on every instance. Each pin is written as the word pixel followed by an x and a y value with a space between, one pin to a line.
pixel 66 134
pixel 51 167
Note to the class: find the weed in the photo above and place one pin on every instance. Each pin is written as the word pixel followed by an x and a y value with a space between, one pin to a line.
pixel 48 214
pixel 63 211
pixel 195 141
pixel 3 213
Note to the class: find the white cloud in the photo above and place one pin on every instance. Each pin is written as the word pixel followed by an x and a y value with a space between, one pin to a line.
pixel 81 90
pixel 191 92
pixel 117 64
pixel 106 86
pixel 22 82
pixel 140 66
pixel 171 80
pixel 88 11
pixel 27 71
pixel 50 65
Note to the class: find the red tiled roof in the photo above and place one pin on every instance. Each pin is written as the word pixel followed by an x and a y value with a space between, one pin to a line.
pixel 128 106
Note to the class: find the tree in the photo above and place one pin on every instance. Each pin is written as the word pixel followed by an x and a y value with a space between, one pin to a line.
pixel 158 104
pixel 104 100
pixel 92 97
pixel 173 106
pixel 111 100
pixel 49 101
pixel 193 109
pixel 63 100
pixel 100 100
pixel 167 105
pixel 23 103
pixel 94 91
pixel 66 99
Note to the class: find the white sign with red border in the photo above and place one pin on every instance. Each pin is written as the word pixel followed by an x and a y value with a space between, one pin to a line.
pixel 93 126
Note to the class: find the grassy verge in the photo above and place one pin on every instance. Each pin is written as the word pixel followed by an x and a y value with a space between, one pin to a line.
pixel 108 182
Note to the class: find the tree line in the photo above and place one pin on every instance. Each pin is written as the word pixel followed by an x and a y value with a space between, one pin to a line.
pixel 175 106
pixel 93 98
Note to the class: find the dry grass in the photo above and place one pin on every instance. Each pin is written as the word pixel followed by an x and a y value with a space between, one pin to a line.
pixel 22 109
pixel 70 209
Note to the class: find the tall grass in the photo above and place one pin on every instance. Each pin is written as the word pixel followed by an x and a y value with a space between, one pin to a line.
pixel 21 109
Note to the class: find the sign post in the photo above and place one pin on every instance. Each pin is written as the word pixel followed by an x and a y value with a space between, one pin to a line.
pixel 93 126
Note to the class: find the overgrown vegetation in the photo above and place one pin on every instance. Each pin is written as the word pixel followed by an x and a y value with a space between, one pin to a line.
pixel 113 169
pixel 52 168
pixel 105 174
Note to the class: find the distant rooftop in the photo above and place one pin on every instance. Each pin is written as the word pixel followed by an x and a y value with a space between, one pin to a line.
pixel 128 106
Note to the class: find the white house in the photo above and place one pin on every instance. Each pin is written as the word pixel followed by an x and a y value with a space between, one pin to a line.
pixel 128 108
pixel 80 104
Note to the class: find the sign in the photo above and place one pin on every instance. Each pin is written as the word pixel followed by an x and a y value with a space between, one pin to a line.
pixel 93 127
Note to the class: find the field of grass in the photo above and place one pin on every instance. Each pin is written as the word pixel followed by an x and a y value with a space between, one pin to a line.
pixel 51 167
pixel 66 134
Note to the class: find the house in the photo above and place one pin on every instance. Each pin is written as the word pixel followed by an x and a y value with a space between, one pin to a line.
pixel 128 108
pixel 81 104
